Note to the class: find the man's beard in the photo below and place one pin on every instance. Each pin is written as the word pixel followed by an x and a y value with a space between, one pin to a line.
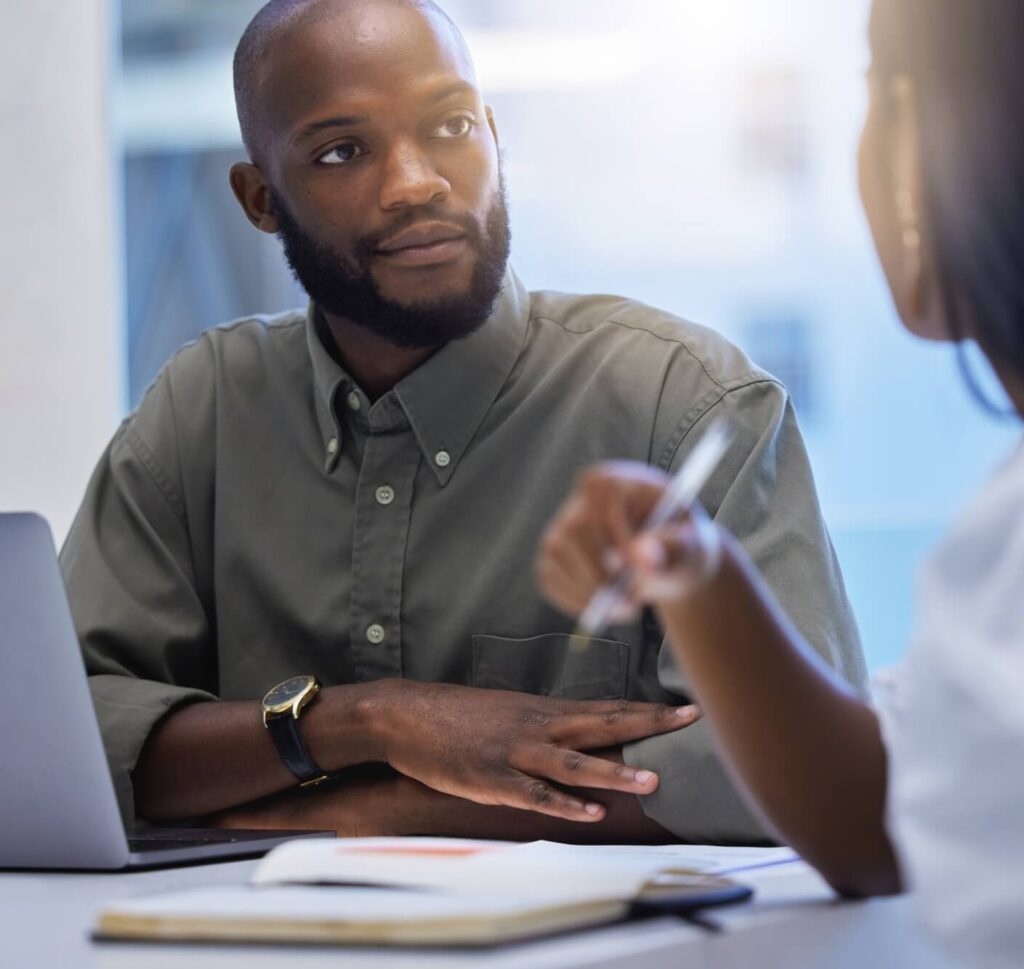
pixel 342 284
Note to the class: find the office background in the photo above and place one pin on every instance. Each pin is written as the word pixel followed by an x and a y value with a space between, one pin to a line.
pixel 697 156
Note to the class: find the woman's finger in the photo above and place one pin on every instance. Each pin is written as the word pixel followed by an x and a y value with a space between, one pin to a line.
pixel 560 584
pixel 677 560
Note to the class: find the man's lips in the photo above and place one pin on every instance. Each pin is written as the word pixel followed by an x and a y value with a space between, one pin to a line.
pixel 424 244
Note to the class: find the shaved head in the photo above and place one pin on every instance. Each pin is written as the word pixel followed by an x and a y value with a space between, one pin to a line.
pixel 277 18
pixel 375 161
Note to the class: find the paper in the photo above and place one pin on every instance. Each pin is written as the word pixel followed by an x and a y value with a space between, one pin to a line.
pixel 337 915
pixel 464 867
pixel 710 859
pixel 432 891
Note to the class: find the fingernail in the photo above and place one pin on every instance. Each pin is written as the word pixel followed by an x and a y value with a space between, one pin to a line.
pixel 686 713
pixel 624 612
pixel 643 776
pixel 651 552
pixel 593 810
pixel 612 560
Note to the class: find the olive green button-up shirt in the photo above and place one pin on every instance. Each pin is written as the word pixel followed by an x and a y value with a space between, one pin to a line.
pixel 259 517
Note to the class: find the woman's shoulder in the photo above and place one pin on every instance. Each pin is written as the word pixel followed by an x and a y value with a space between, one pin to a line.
pixel 987 535
pixel 971 593
pixel 969 636
pixel 971 589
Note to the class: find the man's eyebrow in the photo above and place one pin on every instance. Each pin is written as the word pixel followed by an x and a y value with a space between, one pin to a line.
pixel 350 121
pixel 458 87
pixel 341 121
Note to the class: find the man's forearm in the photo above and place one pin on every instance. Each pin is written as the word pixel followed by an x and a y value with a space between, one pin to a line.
pixel 488 746
pixel 208 757
pixel 377 802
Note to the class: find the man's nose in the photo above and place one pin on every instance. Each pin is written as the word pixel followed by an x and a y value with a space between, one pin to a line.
pixel 411 179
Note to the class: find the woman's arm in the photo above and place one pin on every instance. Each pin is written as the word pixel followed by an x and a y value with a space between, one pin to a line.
pixel 804 748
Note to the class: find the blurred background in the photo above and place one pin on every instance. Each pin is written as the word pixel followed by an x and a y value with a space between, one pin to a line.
pixel 697 156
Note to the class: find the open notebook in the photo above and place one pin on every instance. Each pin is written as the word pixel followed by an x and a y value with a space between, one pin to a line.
pixel 430 891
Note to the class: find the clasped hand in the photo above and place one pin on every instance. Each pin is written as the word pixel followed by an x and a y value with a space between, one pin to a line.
pixel 519 750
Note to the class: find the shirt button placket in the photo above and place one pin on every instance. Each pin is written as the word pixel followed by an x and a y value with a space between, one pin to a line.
pixel 379 541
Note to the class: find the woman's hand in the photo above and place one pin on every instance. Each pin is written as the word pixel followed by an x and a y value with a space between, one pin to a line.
pixel 597 532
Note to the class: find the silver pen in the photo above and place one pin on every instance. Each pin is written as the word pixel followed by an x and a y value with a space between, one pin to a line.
pixel 682 491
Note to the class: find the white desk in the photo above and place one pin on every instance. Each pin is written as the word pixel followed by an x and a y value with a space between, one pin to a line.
pixel 793 923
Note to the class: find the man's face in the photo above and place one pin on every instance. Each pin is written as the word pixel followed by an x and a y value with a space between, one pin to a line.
pixel 383 162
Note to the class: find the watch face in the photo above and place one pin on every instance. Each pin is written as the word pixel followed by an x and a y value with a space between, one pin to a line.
pixel 285 693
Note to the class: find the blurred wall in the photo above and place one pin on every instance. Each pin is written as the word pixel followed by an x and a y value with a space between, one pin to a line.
pixel 61 330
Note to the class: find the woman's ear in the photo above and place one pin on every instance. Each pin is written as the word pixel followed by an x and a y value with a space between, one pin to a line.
pixel 254 195
pixel 908 182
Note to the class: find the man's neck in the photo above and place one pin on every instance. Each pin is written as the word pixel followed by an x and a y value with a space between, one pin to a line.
pixel 373 362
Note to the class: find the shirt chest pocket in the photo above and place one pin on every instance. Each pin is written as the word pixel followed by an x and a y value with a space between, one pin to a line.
pixel 548 666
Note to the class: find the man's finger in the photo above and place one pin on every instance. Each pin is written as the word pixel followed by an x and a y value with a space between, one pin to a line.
pixel 530 793
pixel 576 769
pixel 620 724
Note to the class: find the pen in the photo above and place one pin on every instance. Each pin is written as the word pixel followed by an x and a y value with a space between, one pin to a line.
pixel 682 491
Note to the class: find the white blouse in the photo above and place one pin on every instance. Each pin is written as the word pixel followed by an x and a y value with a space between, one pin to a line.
pixel 953 719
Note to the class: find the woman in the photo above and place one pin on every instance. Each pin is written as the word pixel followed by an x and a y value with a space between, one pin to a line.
pixel 934 775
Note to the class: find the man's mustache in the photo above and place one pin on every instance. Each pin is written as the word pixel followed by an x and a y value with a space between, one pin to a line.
pixel 372 241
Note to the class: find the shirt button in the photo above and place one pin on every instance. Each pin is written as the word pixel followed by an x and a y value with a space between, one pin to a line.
pixel 353 401
pixel 332 446
pixel 442 459
pixel 375 633
pixel 385 494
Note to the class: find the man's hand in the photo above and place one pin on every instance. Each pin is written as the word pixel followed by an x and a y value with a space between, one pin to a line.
pixel 373 801
pixel 488 746
pixel 498 747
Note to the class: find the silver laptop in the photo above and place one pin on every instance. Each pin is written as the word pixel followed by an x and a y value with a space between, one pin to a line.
pixel 57 803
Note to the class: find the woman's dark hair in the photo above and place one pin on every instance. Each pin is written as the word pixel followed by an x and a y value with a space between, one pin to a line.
pixel 966 61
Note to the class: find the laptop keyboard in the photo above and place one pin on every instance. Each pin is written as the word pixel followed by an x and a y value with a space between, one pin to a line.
pixel 167 839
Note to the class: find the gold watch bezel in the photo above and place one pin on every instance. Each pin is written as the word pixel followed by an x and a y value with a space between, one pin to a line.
pixel 295 703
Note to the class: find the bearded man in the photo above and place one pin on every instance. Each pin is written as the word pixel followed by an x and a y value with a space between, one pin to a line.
pixel 338 510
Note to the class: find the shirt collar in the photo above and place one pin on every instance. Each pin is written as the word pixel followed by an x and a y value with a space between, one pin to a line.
pixel 448 396
pixel 328 377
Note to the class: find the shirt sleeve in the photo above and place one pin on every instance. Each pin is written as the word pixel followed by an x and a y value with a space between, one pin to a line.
pixel 130 574
pixel 764 494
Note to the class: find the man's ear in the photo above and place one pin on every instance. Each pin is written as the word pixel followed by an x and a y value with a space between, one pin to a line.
pixel 489 111
pixel 254 195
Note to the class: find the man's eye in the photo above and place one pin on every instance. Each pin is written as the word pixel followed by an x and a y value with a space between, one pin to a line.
pixel 457 127
pixel 340 154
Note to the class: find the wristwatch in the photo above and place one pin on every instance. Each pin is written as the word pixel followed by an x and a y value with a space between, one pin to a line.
pixel 282 707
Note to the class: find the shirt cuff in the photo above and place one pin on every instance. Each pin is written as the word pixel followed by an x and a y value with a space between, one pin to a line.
pixel 695 799
pixel 127 709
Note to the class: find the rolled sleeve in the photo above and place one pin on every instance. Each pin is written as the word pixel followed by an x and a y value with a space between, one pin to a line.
pixel 764 494
pixel 128 565
pixel 128 709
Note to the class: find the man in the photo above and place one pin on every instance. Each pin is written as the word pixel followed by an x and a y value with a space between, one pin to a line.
pixel 357 493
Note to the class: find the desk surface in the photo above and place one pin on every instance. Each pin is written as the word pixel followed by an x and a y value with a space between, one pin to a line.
pixel 793 923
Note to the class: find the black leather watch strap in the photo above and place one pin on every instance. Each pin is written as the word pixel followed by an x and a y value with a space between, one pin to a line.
pixel 287 737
